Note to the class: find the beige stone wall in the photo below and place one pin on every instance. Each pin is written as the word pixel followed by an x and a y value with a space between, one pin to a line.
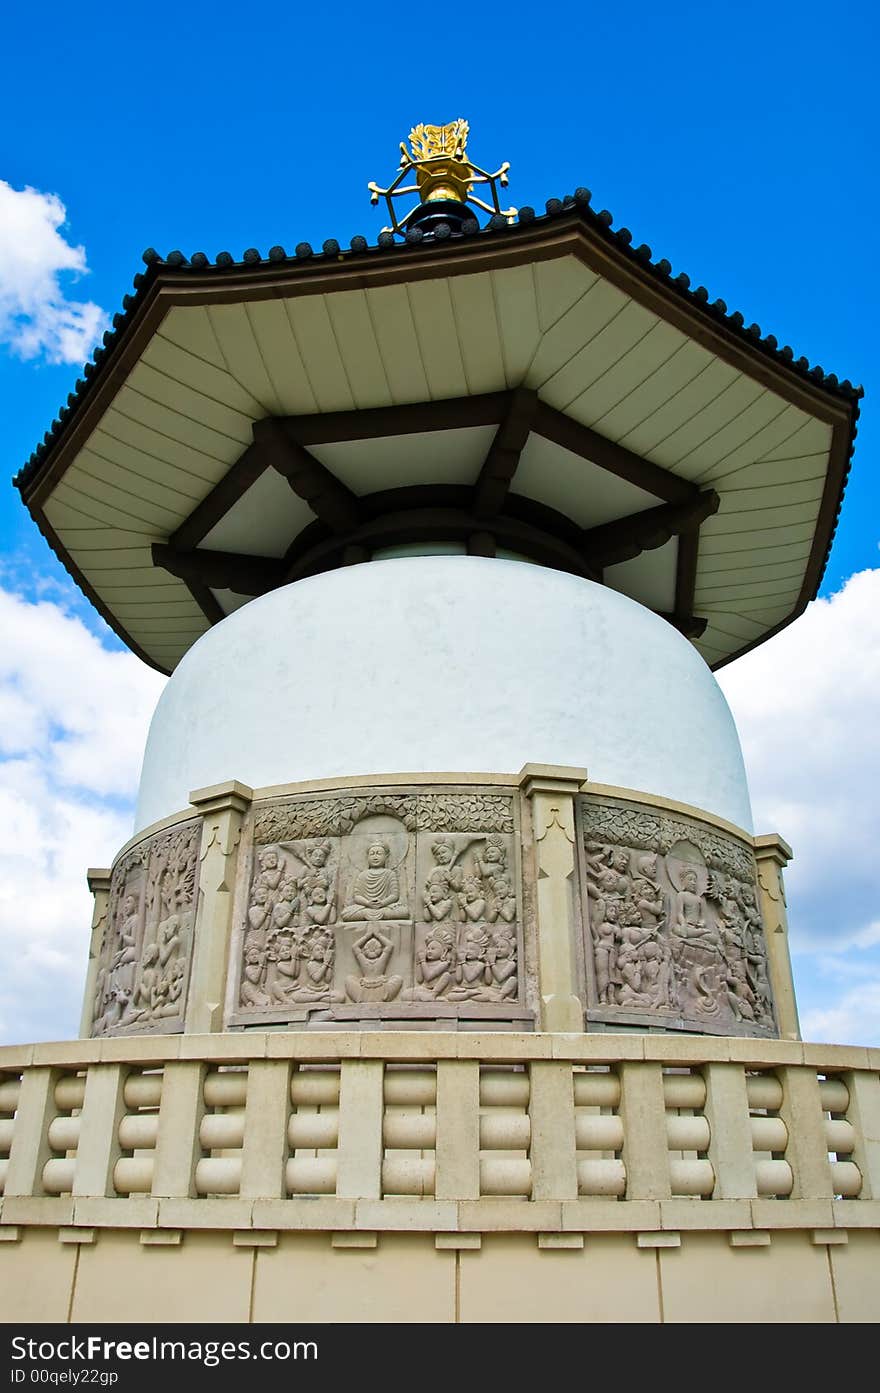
pixel 435 1176
pixel 115 1276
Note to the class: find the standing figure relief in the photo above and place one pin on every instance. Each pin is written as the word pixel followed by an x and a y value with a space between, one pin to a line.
pixel 666 933
pixel 142 977
pixel 696 947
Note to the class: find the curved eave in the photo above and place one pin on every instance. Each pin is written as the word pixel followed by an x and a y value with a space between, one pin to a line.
pixel 573 232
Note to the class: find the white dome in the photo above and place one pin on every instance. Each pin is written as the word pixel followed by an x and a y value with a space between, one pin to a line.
pixel 448 664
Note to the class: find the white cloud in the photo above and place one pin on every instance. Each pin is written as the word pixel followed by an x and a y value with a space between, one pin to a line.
pixel 73 722
pixel 806 706
pixel 36 317
pixel 851 1019
pixel 82 709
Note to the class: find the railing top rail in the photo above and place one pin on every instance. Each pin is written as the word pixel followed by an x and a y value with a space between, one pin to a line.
pixel 419 1046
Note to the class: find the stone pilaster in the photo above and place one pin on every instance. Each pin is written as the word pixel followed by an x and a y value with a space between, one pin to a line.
pixel 99 884
pixel 222 808
pixel 551 791
pixel 772 854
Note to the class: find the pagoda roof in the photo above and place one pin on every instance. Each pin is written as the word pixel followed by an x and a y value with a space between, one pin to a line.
pixel 538 388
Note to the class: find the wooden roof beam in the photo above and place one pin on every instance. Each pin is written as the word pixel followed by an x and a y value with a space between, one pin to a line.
pixel 445 524
pixel 607 454
pixel 328 497
pixel 220 570
pixel 410 418
pixel 500 464
pixel 204 598
pixel 686 578
pixel 625 538
pixel 223 496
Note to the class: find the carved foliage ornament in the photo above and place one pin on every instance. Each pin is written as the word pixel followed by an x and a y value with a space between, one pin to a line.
pixel 333 817
pixel 671 921
pixel 646 829
pixel 144 969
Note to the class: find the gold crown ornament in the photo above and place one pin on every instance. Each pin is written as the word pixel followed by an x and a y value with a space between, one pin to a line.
pixel 444 176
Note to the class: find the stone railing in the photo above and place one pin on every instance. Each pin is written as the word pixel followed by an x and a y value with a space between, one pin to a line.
pixel 354 1134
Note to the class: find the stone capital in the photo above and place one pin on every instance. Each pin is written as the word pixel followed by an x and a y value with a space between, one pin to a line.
pixel 773 847
pixel 551 778
pixel 218 798
pixel 98 878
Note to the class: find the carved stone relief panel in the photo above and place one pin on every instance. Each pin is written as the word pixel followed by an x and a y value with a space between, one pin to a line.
pixel 466 948
pixel 143 974
pixel 380 907
pixel 672 931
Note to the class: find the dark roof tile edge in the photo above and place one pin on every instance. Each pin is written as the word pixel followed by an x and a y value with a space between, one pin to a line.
pixel 579 202
pixel 843 483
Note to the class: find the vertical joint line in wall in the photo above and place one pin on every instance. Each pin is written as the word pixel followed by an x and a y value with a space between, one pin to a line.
pixel 833 1284
pixel 73 1281
pixel 254 1252
pixel 659 1286
pixel 458 1286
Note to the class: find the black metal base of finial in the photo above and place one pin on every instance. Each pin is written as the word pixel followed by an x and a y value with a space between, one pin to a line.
pixel 430 216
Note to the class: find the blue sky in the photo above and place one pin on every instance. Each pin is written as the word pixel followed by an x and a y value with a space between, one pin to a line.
pixel 738 143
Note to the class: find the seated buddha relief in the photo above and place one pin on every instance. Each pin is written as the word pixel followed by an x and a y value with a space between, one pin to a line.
pixel 376 892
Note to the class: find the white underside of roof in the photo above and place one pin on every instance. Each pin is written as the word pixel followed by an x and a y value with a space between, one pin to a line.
pixel 366 466
pixel 264 520
pixel 185 413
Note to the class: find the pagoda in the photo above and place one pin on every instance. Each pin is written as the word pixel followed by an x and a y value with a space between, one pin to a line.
pixel 444 951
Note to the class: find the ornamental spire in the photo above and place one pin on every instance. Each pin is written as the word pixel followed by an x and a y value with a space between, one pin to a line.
pixel 444 181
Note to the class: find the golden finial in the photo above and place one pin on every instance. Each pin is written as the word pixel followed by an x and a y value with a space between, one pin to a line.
pixel 445 177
